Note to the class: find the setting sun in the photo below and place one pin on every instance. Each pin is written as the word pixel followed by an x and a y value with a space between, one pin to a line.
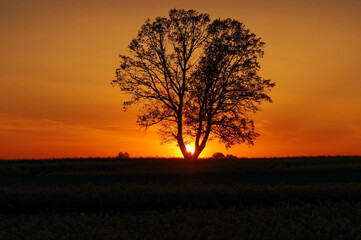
pixel 190 149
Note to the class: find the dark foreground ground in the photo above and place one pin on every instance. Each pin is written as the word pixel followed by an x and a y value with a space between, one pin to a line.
pixel 287 198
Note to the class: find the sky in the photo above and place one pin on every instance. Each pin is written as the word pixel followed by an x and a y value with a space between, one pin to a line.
pixel 57 59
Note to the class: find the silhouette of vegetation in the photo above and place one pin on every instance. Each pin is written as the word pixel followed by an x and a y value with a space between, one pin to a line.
pixel 230 156
pixel 123 155
pixel 218 155
pixel 195 77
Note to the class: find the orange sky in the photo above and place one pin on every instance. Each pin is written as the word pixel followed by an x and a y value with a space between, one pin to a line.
pixel 57 59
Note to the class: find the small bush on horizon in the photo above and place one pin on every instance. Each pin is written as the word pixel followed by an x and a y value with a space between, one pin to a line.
pixel 218 155
pixel 123 155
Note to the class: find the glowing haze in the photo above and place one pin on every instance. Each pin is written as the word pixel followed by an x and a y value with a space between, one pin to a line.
pixel 58 58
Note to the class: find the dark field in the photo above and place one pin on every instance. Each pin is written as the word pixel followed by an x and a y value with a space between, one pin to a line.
pixel 285 198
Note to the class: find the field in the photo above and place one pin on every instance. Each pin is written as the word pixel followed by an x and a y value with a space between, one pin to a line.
pixel 272 198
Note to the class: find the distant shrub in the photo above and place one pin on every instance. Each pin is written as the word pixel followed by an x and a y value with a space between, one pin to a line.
pixel 218 155
pixel 230 156
pixel 123 155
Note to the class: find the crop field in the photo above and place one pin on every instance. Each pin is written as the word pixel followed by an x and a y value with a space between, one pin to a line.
pixel 151 198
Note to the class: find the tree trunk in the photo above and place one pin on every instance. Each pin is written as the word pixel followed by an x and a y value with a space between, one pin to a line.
pixel 196 154
pixel 187 155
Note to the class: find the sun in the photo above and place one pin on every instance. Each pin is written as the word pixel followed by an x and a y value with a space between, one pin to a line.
pixel 190 149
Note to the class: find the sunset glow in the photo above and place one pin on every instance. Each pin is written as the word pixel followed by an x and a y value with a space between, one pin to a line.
pixel 190 149
pixel 58 58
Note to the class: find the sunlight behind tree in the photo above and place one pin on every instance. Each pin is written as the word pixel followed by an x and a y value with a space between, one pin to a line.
pixel 190 149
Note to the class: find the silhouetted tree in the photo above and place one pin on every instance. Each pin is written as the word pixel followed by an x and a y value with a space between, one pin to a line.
pixel 231 156
pixel 196 78
pixel 218 155
pixel 123 155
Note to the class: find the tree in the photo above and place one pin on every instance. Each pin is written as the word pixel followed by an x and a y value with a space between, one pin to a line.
pixel 195 77
pixel 231 156
pixel 218 155
pixel 123 155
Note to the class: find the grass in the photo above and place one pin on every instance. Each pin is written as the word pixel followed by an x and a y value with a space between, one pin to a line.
pixel 326 221
pixel 284 198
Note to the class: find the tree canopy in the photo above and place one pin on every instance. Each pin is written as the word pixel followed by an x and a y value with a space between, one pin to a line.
pixel 198 79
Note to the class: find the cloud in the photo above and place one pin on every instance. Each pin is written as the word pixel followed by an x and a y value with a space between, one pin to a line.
pixel 30 125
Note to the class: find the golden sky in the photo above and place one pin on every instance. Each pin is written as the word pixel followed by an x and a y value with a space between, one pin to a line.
pixel 57 59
